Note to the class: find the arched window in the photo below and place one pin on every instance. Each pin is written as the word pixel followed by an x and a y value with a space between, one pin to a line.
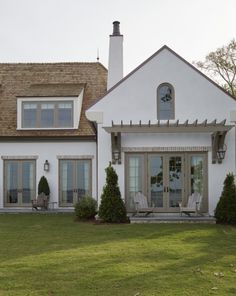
pixel 165 101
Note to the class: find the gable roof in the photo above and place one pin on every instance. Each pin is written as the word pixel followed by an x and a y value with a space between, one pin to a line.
pixel 45 80
pixel 153 56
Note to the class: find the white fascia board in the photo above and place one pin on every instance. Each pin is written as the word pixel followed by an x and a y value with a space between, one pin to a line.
pixel 77 107
pixel 95 116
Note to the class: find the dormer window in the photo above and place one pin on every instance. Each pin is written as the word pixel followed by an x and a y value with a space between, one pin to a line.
pixel 165 101
pixel 49 112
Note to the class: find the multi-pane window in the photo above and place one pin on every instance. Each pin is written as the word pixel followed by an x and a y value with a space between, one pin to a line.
pixel 165 101
pixel 47 114
pixel 19 182
pixel 75 180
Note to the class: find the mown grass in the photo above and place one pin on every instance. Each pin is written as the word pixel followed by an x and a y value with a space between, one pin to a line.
pixel 54 255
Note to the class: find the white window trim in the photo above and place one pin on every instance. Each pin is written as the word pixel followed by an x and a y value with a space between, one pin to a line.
pixel 77 106
pixel 25 157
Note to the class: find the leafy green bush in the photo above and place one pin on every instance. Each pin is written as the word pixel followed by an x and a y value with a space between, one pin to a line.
pixel 43 186
pixel 225 211
pixel 112 208
pixel 86 208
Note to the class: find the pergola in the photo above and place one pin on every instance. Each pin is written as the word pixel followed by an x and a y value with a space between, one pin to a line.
pixel 218 132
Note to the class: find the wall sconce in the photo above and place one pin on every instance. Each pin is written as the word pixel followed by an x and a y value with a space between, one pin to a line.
pixel 46 166
pixel 116 148
pixel 221 153
pixel 116 156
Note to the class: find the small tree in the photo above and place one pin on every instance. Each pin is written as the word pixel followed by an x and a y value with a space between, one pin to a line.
pixel 112 208
pixel 43 186
pixel 225 211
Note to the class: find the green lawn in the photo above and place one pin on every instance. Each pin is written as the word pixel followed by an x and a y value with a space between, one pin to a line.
pixel 54 255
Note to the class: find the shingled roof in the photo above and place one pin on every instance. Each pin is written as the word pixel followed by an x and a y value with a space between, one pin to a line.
pixel 48 79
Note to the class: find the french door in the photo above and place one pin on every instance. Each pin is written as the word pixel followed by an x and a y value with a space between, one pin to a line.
pixel 165 181
pixel 165 178
pixel 19 182
pixel 75 180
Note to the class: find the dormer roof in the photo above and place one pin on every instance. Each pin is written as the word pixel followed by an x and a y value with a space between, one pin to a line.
pixel 48 80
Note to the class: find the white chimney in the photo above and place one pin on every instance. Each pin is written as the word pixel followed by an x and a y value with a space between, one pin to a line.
pixel 115 63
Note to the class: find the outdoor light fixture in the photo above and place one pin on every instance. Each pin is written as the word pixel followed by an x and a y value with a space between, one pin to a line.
pixel 116 155
pixel 46 166
pixel 221 152
pixel 116 148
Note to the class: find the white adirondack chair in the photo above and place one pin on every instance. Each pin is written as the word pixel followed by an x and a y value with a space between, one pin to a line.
pixel 193 205
pixel 141 205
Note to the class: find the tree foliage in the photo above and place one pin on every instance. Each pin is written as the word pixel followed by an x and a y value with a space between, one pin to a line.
pixel 86 208
pixel 43 186
pixel 112 208
pixel 221 66
pixel 226 208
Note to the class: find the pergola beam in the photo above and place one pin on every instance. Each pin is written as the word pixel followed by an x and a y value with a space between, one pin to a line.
pixel 168 127
pixel 218 132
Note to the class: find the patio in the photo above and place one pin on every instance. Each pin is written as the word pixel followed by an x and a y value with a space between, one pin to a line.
pixel 172 218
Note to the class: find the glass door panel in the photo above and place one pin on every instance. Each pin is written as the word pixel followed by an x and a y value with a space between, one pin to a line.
pixel 135 178
pixel 28 182
pixel 66 181
pixel 196 180
pixel 175 186
pixel 83 177
pixel 11 185
pixel 156 180
pixel 19 182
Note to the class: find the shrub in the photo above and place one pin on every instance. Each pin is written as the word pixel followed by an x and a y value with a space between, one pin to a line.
pixel 225 211
pixel 112 208
pixel 86 208
pixel 43 186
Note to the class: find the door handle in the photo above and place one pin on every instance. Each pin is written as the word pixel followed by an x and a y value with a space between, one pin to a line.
pixel 166 189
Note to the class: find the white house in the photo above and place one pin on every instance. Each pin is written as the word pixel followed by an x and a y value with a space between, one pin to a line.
pixel 162 126
pixel 44 131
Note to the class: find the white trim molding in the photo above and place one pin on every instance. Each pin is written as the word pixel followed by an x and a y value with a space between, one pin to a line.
pixel 167 149
pixel 77 107
pixel 75 156
pixel 19 157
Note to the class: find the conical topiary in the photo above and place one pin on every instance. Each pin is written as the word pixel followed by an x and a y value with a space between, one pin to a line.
pixel 112 208
pixel 225 211
pixel 43 186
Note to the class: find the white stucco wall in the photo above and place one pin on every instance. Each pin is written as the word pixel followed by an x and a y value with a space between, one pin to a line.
pixel 195 98
pixel 216 172
pixel 51 152
pixel 135 98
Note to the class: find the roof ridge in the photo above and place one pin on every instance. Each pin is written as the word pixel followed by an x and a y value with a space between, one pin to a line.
pixel 48 63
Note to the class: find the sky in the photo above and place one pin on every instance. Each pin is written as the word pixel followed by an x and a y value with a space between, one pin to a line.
pixel 74 30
